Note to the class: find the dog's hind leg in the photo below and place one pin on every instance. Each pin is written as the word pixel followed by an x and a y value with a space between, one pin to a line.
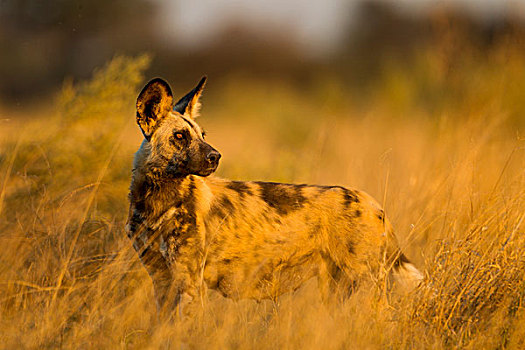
pixel 335 286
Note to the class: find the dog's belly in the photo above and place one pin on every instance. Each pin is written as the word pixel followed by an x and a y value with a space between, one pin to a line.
pixel 263 279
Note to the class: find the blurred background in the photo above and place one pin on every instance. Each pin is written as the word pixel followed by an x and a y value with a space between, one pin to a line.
pixel 300 42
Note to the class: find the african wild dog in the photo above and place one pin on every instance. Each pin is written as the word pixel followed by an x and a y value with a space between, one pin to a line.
pixel 244 239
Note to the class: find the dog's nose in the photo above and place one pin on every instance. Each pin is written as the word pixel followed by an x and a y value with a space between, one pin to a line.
pixel 213 156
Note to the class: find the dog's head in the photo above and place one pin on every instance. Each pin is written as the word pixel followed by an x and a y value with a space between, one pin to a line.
pixel 175 142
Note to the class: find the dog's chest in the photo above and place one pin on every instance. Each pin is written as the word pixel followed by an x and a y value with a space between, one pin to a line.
pixel 163 224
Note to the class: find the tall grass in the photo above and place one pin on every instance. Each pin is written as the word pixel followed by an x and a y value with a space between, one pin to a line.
pixel 450 173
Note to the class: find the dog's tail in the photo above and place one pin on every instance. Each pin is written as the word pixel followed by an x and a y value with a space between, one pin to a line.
pixel 405 274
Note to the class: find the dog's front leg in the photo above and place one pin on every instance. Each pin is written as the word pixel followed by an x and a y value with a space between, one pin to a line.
pixel 167 293
pixel 176 303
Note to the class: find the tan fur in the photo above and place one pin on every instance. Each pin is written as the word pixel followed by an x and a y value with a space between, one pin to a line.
pixel 249 239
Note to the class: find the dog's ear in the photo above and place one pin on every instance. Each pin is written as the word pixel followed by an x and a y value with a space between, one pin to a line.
pixel 189 105
pixel 154 103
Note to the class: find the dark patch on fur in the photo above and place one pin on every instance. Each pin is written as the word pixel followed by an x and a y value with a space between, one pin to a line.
pixel 190 124
pixel 180 238
pixel 143 252
pixel 349 196
pixel 335 271
pixel 381 215
pixel 189 200
pixel 222 207
pixel 350 247
pixel 281 197
pixel 150 257
pixel 401 259
pixel 231 259
pixel 358 213
pixel 185 219
pixel 134 222
pixel 227 204
pixel 352 287
pixel 314 231
pixel 240 187
pixel 220 278
pixel 216 210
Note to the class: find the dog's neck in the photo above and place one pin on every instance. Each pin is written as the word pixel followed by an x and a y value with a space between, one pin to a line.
pixel 155 195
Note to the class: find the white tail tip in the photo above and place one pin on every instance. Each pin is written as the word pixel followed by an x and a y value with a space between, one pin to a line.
pixel 407 276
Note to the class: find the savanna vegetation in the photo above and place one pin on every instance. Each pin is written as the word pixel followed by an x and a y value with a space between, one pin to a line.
pixel 438 142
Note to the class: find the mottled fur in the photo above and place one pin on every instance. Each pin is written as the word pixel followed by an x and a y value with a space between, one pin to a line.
pixel 243 239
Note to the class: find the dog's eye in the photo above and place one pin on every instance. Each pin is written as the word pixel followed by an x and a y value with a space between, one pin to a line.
pixel 179 135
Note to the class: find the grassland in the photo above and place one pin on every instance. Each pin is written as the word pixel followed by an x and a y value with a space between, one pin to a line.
pixel 442 149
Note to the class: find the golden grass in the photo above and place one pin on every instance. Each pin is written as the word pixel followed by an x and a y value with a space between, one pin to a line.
pixel 452 182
